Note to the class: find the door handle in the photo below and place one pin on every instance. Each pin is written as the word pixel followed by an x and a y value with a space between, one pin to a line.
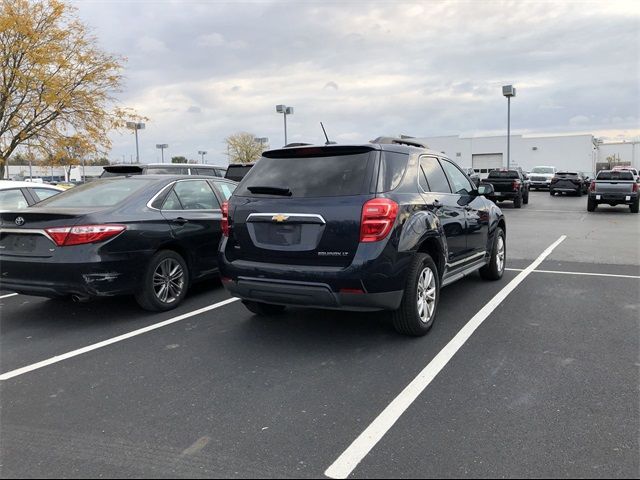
pixel 180 220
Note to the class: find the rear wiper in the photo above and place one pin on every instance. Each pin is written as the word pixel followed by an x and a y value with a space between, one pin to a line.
pixel 284 191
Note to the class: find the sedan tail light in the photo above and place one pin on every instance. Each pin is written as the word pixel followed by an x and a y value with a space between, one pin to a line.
pixel 66 236
pixel 224 223
pixel 378 217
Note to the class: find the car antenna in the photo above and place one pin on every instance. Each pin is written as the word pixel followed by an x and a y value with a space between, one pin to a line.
pixel 326 136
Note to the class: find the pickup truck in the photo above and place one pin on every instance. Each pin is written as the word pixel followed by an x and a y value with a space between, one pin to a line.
pixel 614 187
pixel 510 185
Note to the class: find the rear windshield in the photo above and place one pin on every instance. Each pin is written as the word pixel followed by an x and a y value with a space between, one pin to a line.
pixel 105 193
pixel 567 174
pixel 237 172
pixel 503 174
pixel 615 175
pixel 311 177
pixel 167 171
pixel 121 171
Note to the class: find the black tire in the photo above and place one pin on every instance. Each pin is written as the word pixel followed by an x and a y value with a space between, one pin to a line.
pixel 525 199
pixel 634 206
pixel 579 192
pixel 591 205
pixel 517 202
pixel 263 309
pixel 551 192
pixel 176 284
pixel 495 268
pixel 407 319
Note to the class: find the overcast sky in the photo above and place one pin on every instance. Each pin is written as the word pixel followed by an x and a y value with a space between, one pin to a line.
pixel 202 70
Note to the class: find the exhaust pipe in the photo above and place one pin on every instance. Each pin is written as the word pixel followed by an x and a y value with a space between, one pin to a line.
pixel 79 299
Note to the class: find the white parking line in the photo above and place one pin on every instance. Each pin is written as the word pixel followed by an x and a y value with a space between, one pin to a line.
pixel 353 455
pixel 8 295
pixel 578 273
pixel 111 341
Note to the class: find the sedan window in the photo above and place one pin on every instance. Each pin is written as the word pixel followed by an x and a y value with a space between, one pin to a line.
pixel 11 199
pixel 196 195
pixel 43 193
pixel 226 189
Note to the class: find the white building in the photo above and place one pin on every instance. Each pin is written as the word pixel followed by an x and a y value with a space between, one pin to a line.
pixel 20 172
pixel 566 152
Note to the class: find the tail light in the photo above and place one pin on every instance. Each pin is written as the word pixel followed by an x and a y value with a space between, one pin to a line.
pixel 515 186
pixel 66 236
pixel 224 223
pixel 378 217
pixel 554 179
pixel 592 187
pixel 635 187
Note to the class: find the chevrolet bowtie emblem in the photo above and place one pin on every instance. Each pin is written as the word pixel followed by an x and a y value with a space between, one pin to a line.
pixel 279 218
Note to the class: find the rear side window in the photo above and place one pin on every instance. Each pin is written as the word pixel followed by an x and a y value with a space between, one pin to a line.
pixel 44 193
pixel 434 176
pixel 335 176
pixel 237 172
pixel 196 195
pixel 105 193
pixel 392 168
pixel 10 199
pixel 226 189
pixel 615 175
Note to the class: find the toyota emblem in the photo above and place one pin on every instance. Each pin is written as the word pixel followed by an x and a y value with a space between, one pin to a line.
pixel 19 221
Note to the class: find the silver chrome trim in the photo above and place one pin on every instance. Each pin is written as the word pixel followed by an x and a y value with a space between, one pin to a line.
pixel 465 260
pixel 290 215
pixel 32 231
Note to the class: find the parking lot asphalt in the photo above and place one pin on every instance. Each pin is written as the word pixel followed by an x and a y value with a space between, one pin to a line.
pixel 546 386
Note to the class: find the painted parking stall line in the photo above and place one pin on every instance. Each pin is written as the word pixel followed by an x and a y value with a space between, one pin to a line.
pixel 589 274
pixel 111 341
pixel 8 295
pixel 361 446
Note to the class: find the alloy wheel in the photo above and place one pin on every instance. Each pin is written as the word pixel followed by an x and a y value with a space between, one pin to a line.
pixel 427 292
pixel 168 280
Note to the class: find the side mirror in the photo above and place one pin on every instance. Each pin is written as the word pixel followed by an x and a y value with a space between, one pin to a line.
pixel 486 189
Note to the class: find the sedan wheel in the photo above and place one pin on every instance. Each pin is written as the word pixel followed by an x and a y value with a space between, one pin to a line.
pixel 168 281
pixel 165 282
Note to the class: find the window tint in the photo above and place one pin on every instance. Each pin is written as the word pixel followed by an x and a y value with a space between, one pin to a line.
pixel 167 171
pixel 11 199
pixel 392 168
pixel 614 175
pixel 311 176
pixel 504 174
pixel 459 183
pixel 237 172
pixel 43 193
pixel 226 189
pixel 220 172
pixel 205 171
pixel 102 193
pixel 196 195
pixel 172 202
pixel 435 177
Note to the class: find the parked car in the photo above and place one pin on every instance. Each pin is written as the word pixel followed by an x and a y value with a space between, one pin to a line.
pixel 361 227
pixel 162 169
pixel 614 187
pixel 540 177
pixel 147 235
pixel 16 195
pixel 473 176
pixel 508 185
pixel 588 176
pixel 568 182
pixel 634 171
pixel 237 171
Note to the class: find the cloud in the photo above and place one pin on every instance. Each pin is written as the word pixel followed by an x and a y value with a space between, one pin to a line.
pixel 388 72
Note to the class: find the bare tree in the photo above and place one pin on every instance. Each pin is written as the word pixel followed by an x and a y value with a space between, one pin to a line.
pixel 243 147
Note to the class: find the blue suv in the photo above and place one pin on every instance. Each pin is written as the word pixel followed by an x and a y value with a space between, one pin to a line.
pixel 379 226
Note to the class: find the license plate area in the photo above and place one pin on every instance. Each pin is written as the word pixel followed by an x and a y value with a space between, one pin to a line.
pixel 278 235
pixel 18 244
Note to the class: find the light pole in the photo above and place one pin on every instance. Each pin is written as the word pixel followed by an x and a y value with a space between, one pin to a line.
pixel 286 111
pixel 162 146
pixel 136 126
pixel 508 91
pixel 202 153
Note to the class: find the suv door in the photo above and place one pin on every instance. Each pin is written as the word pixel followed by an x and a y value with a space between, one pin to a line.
pixel 475 208
pixel 437 194
pixel 194 214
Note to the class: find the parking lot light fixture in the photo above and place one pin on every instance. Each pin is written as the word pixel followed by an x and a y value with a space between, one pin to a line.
pixel 162 146
pixel 285 111
pixel 509 91
pixel 202 153
pixel 135 126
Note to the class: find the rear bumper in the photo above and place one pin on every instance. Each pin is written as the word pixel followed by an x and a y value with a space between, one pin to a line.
pixel 377 272
pixel 614 198
pixel 504 196
pixel 314 295
pixel 93 278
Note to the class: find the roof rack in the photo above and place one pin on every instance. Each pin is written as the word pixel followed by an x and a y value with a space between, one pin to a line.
pixel 399 141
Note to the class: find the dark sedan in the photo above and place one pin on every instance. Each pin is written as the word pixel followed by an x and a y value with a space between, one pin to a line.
pixel 148 235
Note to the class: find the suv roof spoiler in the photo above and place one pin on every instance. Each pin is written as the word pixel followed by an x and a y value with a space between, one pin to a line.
pixel 399 141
